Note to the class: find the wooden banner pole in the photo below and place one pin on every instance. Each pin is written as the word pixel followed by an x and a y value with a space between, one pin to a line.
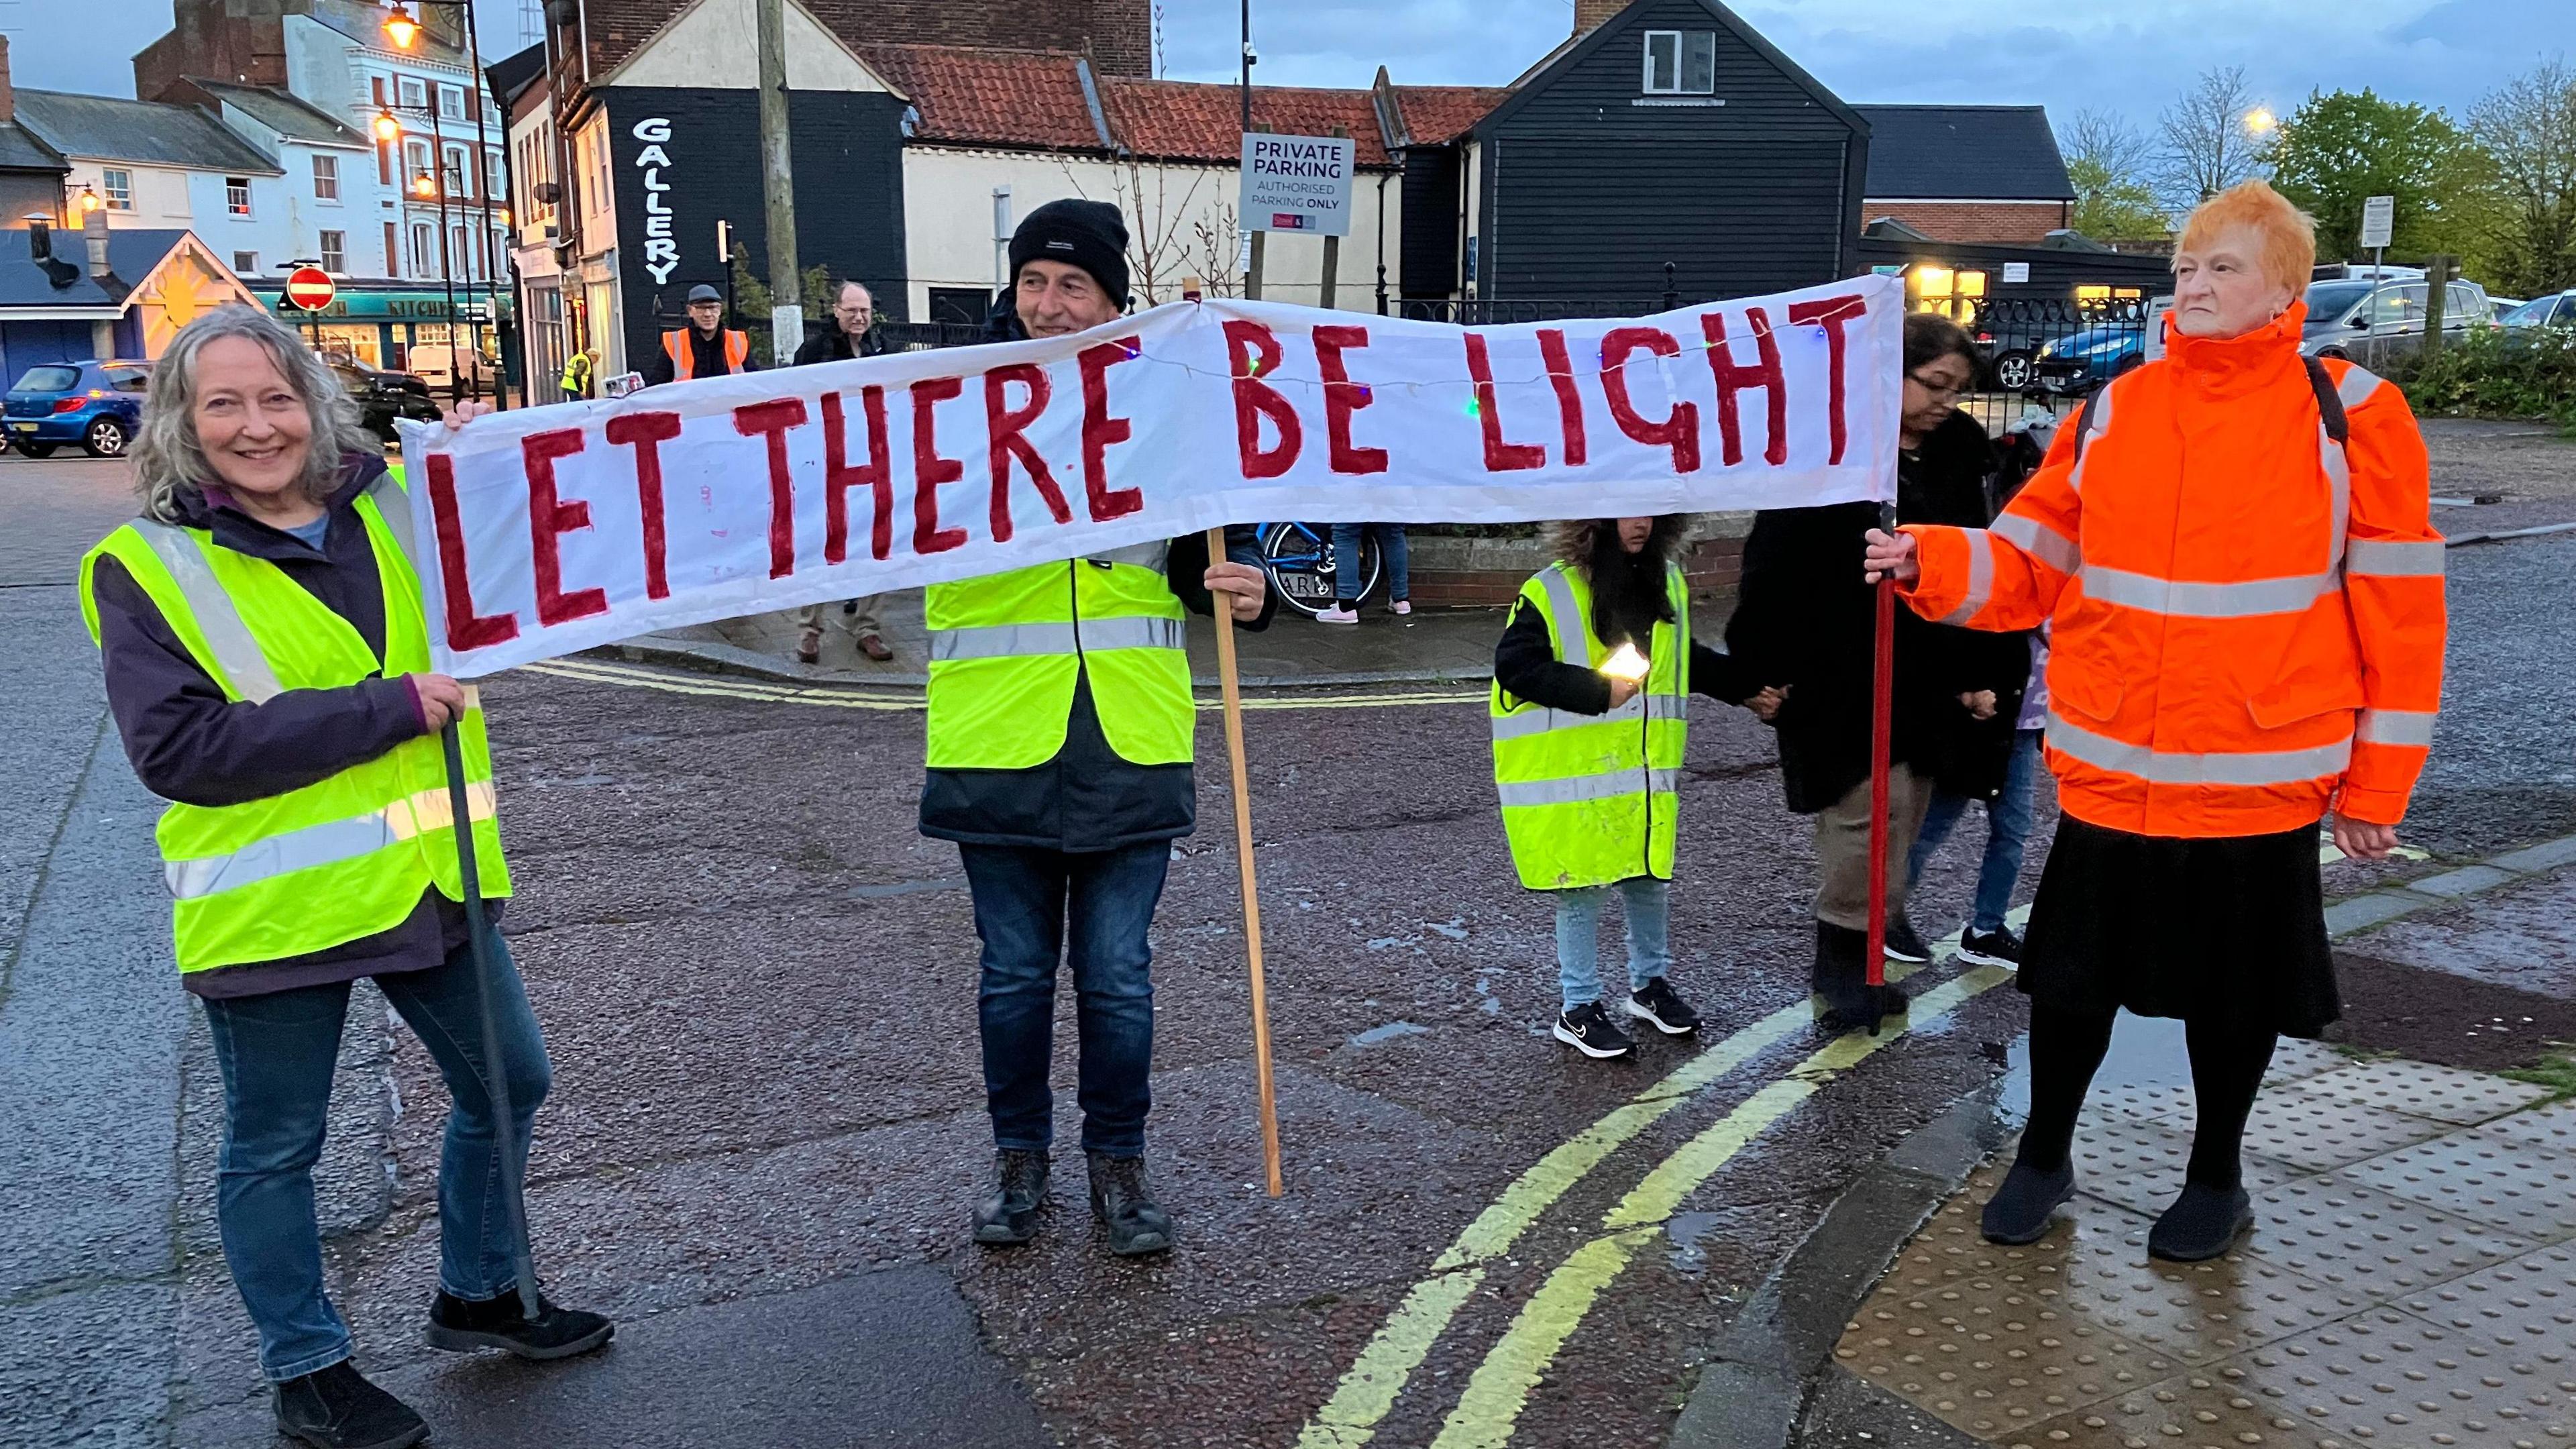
pixel 1233 688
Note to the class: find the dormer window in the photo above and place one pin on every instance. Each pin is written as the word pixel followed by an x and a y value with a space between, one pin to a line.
pixel 1681 62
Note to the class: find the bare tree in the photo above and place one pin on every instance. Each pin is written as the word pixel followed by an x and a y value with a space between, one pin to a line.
pixel 1220 247
pixel 2208 144
pixel 2110 141
pixel 2528 127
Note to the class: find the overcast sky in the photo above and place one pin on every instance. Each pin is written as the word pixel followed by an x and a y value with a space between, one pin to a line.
pixel 2129 55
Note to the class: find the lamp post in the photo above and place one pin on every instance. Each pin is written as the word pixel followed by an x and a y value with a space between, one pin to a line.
pixel 404 33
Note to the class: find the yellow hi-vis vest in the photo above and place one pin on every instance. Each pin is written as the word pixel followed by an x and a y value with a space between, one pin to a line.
pixel 1590 799
pixel 341 858
pixel 1007 648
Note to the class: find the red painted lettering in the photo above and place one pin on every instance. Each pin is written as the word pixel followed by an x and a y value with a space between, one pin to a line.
pixel 549 519
pixel 1832 314
pixel 1100 431
pixel 1253 351
pixel 465 628
pixel 1734 377
pixel 929 470
pixel 1569 404
pixel 647 432
pixel 1500 457
pixel 771 420
pixel 839 477
pixel 1008 427
pixel 1343 397
pixel 1679 429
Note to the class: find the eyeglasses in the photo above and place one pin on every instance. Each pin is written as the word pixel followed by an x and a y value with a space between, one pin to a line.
pixel 1942 391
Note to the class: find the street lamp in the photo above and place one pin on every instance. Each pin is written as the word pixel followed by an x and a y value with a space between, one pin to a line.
pixel 388 129
pixel 400 28
pixel 404 32
pixel 88 198
pixel 2260 121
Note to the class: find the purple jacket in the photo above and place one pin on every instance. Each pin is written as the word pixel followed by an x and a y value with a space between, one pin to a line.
pixel 189 743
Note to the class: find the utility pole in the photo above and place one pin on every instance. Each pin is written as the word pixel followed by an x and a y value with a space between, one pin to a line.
pixel 1260 240
pixel 778 180
pixel 1253 238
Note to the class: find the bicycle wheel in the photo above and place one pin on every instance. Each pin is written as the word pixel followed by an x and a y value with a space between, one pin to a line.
pixel 1299 559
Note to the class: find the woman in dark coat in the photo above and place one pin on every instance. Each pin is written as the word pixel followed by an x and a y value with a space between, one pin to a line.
pixel 1802 623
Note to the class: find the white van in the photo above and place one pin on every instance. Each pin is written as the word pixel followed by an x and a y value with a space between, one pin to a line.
pixel 435 363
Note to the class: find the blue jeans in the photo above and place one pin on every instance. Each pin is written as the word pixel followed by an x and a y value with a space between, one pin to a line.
pixel 277 1053
pixel 1578 937
pixel 2007 829
pixel 1094 908
pixel 1347 577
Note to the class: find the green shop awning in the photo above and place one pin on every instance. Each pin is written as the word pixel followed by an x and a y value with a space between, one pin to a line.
pixel 353 305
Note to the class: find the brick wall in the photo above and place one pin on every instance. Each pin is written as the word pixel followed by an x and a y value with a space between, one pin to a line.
pixel 2023 223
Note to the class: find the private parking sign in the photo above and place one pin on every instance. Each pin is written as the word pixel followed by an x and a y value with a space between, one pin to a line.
pixel 1297 183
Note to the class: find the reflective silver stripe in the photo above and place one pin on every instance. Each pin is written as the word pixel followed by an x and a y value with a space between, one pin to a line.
pixel 395 507
pixel 2040 541
pixel 1578 788
pixel 1005 641
pixel 1981 577
pixel 1523 723
pixel 2246 599
pixel 2397 726
pixel 1156 556
pixel 236 653
pixel 1666 706
pixel 1572 631
pixel 326 844
pixel 2339 485
pixel 2396 560
pixel 2357 386
pixel 2252 767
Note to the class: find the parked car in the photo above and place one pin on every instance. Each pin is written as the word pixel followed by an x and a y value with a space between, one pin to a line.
pixel 384 396
pixel 2366 317
pixel 2091 356
pixel 98 405
pixel 2558 310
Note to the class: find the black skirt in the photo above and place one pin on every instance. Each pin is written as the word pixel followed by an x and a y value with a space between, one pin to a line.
pixel 2233 926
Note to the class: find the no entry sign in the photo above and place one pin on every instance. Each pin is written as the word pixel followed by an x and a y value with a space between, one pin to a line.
pixel 310 288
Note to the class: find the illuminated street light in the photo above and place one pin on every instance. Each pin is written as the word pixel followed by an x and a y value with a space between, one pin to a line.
pixel 2261 122
pixel 387 128
pixel 400 28
pixel 88 199
pixel 423 187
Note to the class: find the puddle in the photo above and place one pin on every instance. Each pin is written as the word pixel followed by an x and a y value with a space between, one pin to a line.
pixel 1389 1032
pixel 1686 1230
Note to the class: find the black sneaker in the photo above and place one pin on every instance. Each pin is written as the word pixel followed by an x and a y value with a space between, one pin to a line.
pixel 459 1323
pixel 1991 948
pixel 1010 1214
pixel 1671 1015
pixel 1587 1029
pixel 2202 1224
pixel 2019 1211
pixel 1903 944
pixel 336 1408
pixel 1125 1206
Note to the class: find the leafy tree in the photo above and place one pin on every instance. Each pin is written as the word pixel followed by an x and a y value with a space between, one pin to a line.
pixel 2110 162
pixel 752 303
pixel 2211 138
pixel 2339 149
pixel 2527 130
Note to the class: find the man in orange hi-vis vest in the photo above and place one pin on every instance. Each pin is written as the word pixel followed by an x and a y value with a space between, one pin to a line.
pixel 704 348
pixel 2233 547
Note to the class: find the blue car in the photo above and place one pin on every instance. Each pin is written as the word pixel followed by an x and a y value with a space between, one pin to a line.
pixel 2088 357
pixel 98 405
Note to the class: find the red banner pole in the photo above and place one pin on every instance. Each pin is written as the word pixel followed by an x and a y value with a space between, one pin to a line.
pixel 1882 710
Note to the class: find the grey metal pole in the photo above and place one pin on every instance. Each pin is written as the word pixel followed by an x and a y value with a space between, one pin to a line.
pixel 778 182
pixel 496 1076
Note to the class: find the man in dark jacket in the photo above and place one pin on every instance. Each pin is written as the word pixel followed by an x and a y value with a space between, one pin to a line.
pixel 852 334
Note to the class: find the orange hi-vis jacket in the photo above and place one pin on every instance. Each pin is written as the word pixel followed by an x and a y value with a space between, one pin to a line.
pixel 2248 616
pixel 684 362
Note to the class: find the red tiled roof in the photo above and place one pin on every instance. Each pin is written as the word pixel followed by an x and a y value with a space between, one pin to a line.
pixel 1193 121
pixel 994 97
pixel 1444 113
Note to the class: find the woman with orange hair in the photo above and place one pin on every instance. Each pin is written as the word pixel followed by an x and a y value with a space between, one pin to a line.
pixel 2233 547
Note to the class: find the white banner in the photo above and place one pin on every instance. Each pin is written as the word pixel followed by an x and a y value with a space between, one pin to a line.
pixel 560 528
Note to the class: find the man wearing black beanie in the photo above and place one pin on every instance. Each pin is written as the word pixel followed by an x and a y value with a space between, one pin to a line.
pixel 1060 746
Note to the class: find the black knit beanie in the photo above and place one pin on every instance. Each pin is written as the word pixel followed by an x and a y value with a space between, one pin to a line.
pixel 1086 234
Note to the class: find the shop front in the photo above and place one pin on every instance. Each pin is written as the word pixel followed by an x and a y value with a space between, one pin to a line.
pixel 379 325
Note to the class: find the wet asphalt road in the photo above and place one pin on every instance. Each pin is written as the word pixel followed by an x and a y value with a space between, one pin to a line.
pixel 757 985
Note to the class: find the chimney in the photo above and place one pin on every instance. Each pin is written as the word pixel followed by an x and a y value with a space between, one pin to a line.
pixel 1589 14
pixel 8 94
pixel 94 232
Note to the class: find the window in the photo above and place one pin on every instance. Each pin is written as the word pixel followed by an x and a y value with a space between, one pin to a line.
pixel 335 252
pixel 412 90
pixel 964 306
pixel 415 165
pixel 385 162
pixel 2463 305
pixel 376 88
pixel 246 263
pixel 451 103
pixel 393 250
pixel 237 195
pixel 492 173
pixel 1681 62
pixel 119 186
pixel 129 379
pixel 326 178
pixel 460 177
pixel 424 250
pixel 461 255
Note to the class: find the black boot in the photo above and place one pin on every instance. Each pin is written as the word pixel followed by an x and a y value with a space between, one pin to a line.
pixel 1125 1205
pixel 336 1408
pixel 1845 999
pixel 1010 1214
pixel 2202 1223
pixel 556 1332
pixel 2019 1211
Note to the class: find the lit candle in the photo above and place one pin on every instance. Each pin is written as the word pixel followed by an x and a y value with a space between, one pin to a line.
pixel 1625 663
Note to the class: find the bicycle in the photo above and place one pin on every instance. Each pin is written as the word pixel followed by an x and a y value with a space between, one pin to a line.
pixel 1298 557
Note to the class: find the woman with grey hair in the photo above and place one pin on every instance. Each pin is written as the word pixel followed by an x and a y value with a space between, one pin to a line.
pixel 268 667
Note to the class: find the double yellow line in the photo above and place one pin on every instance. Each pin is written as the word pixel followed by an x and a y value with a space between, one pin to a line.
pixel 844 696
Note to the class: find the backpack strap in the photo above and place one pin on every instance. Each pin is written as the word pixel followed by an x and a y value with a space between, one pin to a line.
pixel 2329 402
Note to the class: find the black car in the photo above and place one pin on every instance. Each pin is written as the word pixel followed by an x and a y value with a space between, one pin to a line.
pixel 384 396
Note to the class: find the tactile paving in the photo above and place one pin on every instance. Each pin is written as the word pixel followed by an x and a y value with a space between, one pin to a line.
pixel 2421 1089
pixel 2552 1128
pixel 2528 1305
pixel 2198 1312
pixel 2491 1179
pixel 2295 1060
pixel 2138 1102
pixel 2139 1165
pixel 2348 1236
pixel 2209 1408
pixel 2308 1127
pixel 2390 1378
